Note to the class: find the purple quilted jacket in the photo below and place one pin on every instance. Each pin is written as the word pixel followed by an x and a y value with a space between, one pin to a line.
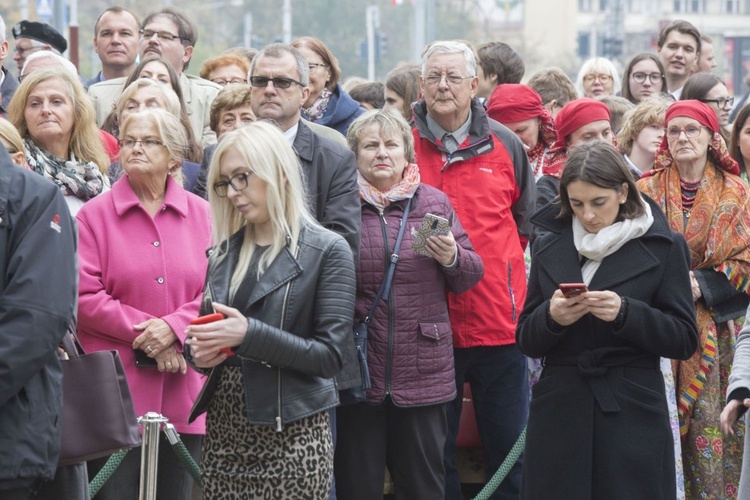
pixel 410 345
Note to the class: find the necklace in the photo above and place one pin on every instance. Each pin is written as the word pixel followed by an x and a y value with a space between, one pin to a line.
pixel 688 192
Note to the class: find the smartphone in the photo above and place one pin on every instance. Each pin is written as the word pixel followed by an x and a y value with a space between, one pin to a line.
pixel 143 361
pixel 210 318
pixel 431 225
pixel 572 289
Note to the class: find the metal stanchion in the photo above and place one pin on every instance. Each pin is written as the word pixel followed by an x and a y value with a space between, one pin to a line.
pixel 151 423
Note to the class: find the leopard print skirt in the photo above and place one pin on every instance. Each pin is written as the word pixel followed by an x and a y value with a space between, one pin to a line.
pixel 246 461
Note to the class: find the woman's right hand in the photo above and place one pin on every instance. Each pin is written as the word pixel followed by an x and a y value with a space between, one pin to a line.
pixel 171 361
pixel 731 414
pixel 566 311
pixel 207 341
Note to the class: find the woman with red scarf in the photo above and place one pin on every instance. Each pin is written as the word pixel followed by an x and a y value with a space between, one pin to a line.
pixel 695 183
pixel 519 108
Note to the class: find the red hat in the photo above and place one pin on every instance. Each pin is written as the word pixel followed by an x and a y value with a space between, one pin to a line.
pixel 513 102
pixel 576 114
pixel 695 110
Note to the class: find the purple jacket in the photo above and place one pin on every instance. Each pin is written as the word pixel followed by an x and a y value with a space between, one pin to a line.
pixel 410 343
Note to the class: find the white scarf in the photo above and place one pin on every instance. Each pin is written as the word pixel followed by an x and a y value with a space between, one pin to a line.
pixel 596 246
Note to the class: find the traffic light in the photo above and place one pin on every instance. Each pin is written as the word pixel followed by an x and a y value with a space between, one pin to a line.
pixel 381 45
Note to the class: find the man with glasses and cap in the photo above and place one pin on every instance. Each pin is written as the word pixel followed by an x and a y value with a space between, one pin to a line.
pixel 170 34
pixel 32 36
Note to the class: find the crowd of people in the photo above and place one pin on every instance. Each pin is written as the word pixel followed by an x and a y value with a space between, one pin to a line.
pixel 575 252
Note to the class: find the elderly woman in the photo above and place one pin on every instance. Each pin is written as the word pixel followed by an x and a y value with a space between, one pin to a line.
pixel 643 77
pixel 641 134
pixel 739 142
pixel 159 70
pixel 597 77
pixel 519 108
pixel 142 266
pixel 410 354
pixel 608 296
pixel 286 288
pixel 402 89
pixel 695 183
pixel 328 104
pixel 55 117
pixel 225 69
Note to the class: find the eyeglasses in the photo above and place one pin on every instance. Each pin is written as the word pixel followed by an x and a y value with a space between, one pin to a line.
pixel 640 77
pixel 164 36
pixel 601 78
pixel 237 181
pixel 145 143
pixel 722 102
pixel 278 82
pixel 691 132
pixel 315 66
pixel 22 50
pixel 223 82
pixel 434 79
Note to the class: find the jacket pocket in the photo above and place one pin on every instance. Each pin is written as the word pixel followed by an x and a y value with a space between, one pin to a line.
pixel 435 346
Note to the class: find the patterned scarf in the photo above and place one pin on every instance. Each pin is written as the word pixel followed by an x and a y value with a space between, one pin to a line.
pixel 74 178
pixel 402 190
pixel 539 155
pixel 718 234
pixel 316 111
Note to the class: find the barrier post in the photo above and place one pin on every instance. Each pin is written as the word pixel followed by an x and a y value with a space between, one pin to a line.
pixel 151 423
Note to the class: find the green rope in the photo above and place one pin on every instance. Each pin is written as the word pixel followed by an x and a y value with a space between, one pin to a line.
pixel 504 468
pixel 187 460
pixel 103 475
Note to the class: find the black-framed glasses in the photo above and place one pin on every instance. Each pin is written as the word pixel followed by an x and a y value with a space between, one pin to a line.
pixel 164 36
pixel 237 181
pixel 145 143
pixel 279 82
pixel 452 79
pixel 640 77
pixel 721 102
pixel 691 132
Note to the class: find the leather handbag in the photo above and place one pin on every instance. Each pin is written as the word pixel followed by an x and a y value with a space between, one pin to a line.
pixel 98 413
pixel 358 393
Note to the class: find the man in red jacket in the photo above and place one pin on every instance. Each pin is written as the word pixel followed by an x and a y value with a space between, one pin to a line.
pixel 483 168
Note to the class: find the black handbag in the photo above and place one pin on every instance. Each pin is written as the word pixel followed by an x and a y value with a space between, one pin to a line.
pixel 98 413
pixel 358 393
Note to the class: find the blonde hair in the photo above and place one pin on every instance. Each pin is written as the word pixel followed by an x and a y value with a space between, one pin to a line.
pixel 10 137
pixel 264 149
pixel 85 142
pixel 171 133
pixel 171 101
pixel 648 112
pixel 391 124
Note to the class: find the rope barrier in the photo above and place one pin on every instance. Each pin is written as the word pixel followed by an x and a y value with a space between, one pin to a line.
pixel 103 475
pixel 504 468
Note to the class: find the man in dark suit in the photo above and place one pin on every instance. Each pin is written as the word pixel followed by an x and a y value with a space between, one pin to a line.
pixel 8 83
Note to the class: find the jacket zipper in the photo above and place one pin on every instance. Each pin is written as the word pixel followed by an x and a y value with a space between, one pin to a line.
pixel 278 370
pixel 389 353
pixel 510 291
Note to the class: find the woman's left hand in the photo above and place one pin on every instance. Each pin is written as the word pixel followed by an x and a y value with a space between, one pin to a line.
pixel 206 341
pixel 604 305
pixel 442 248
pixel 695 287
pixel 157 336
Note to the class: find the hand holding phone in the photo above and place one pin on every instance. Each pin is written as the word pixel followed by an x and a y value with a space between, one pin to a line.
pixel 573 289
pixel 431 225
pixel 210 318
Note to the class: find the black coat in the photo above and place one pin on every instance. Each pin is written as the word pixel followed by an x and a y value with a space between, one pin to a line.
pixel 598 421
pixel 38 290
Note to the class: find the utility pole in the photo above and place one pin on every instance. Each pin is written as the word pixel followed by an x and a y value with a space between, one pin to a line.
pixel 286 22
pixel 372 20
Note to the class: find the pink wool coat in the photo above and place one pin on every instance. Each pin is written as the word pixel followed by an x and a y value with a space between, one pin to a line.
pixel 134 267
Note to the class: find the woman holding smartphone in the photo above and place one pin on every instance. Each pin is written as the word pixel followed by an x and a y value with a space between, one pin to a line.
pixel 410 345
pixel 598 421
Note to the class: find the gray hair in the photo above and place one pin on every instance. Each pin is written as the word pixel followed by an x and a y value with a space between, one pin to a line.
pixel 67 65
pixel 451 47
pixel 277 51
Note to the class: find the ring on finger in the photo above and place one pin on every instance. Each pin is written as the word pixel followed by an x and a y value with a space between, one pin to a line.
pixel 149 348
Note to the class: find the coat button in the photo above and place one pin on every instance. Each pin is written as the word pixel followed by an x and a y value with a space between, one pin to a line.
pixel 156 243
pixel 160 280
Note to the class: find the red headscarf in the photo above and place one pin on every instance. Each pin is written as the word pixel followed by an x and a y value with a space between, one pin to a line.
pixel 702 113
pixel 576 114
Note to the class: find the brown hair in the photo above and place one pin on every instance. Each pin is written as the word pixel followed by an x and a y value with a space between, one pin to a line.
pixel 553 84
pixel 317 46
pixel 734 139
pixel 625 90
pixel 230 97
pixel 683 27
pixel 500 60
pixel 404 81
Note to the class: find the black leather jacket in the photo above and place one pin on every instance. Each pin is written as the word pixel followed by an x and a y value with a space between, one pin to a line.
pixel 299 323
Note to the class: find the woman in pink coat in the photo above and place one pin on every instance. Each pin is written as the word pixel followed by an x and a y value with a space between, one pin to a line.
pixel 143 260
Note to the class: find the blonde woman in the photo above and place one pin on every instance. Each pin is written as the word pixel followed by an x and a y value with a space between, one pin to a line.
pixel 286 287
pixel 11 139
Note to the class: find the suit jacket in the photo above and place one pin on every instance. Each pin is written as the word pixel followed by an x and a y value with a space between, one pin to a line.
pixel 197 93
pixel 10 84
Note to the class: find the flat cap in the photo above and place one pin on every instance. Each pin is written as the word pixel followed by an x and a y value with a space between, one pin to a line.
pixel 40 32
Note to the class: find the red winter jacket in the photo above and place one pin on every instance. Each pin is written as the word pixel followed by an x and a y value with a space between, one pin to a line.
pixel 491 186
pixel 410 352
